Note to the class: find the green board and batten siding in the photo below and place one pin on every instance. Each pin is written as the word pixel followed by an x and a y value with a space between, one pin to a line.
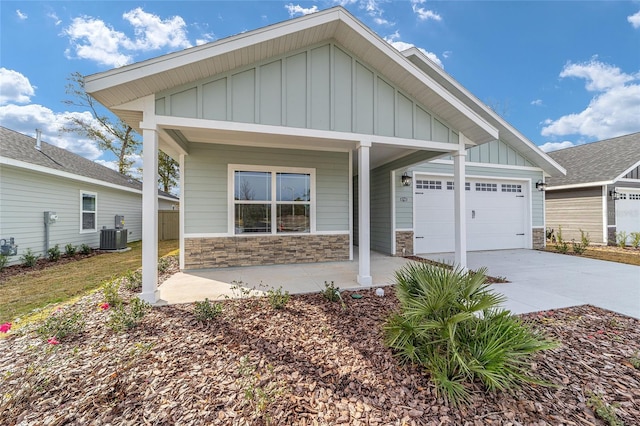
pixel 323 88
pixel 206 172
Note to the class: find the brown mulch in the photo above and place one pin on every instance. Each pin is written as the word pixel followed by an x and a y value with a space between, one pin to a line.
pixel 41 264
pixel 310 363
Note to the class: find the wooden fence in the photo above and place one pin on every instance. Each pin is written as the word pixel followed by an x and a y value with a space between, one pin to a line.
pixel 168 225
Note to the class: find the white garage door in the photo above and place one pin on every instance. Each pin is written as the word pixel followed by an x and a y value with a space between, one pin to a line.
pixel 496 214
pixel 628 210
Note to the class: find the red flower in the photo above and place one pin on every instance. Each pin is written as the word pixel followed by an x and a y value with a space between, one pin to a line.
pixel 104 306
pixel 5 327
pixel 600 331
pixel 590 337
pixel 53 341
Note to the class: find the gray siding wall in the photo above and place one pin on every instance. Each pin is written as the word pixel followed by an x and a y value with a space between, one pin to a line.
pixel 323 87
pixel 205 183
pixel 25 196
pixel 574 210
pixel 404 210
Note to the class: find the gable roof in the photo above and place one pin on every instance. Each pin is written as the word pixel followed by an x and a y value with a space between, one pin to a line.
pixel 597 162
pixel 117 87
pixel 22 148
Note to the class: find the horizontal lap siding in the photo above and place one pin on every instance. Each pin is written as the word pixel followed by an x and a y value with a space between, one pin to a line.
pixel 26 195
pixel 205 189
pixel 575 210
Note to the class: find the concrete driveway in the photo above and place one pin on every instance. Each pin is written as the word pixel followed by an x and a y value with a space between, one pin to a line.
pixel 542 281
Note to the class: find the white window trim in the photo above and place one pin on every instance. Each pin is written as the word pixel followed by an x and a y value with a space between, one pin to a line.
pixel 95 195
pixel 232 168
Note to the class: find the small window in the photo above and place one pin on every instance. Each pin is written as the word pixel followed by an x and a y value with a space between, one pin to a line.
pixel 429 184
pixel 486 187
pixel 451 186
pixel 634 196
pixel 508 187
pixel 88 211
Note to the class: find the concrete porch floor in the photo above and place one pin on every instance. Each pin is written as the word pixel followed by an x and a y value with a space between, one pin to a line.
pixel 215 284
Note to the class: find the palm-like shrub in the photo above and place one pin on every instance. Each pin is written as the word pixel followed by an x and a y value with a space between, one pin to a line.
pixel 450 323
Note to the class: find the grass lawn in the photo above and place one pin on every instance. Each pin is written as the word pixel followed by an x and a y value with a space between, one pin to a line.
pixel 23 293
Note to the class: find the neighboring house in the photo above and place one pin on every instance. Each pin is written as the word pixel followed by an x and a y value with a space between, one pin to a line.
pixel 600 193
pixel 36 177
pixel 293 140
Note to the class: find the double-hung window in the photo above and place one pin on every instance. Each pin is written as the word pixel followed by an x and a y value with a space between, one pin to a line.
pixel 88 211
pixel 272 201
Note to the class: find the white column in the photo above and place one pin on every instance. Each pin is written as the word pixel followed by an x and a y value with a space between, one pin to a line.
pixel 459 178
pixel 364 221
pixel 150 292
pixel 182 209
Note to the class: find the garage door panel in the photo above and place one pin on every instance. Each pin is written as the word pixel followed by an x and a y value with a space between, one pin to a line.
pixel 495 215
pixel 628 210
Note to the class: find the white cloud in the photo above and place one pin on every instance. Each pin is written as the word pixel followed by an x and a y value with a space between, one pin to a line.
pixel 206 38
pixel 554 146
pixel 152 33
pixel 447 53
pixel 613 111
pixel 21 16
pixel 94 40
pixel 52 15
pixel 536 102
pixel 393 40
pixel 634 20
pixel 422 13
pixel 26 118
pixel 299 10
pixel 15 87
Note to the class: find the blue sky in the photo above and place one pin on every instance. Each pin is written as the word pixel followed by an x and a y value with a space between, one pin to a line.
pixel 562 72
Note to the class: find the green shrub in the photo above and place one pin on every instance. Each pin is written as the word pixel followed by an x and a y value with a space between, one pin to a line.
pixel 133 281
pixel 606 412
pixel 621 239
pixel 450 324
pixel 29 259
pixel 3 261
pixel 206 311
pixel 111 291
pixel 163 265
pixel 127 317
pixel 277 298
pixel 581 247
pixel 70 250
pixel 54 253
pixel 332 293
pixel 635 239
pixel 62 324
pixel 85 249
pixel 561 245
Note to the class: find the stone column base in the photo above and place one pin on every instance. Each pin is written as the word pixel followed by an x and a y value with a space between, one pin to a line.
pixel 404 243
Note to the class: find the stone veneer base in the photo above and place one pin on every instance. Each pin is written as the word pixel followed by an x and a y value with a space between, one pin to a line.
pixel 404 240
pixel 217 252
pixel 538 238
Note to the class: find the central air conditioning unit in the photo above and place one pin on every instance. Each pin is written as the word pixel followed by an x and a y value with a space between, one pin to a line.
pixel 113 239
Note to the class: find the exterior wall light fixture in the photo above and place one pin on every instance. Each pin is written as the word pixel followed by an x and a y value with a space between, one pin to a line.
pixel 541 186
pixel 614 195
pixel 406 179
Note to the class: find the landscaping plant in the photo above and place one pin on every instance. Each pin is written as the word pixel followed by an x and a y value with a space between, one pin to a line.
pixel 561 245
pixel 70 250
pixel 449 322
pixel 277 298
pixel 635 239
pixel 581 247
pixel 127 317
pixel 606 412
pixel 111 291
pixel 54 253
pixel 621 239
pixel 207 311
pixel 133 281
pixel 332 293
pixel 29 259
pixel 85 249
pixel 3 261
pixel 61 324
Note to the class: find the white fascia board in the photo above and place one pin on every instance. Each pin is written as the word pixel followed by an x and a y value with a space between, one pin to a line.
pixel 164 197
pixel 62 174
pixel 181 123
pixel 413 51
pixel 621 175
pixel 579 185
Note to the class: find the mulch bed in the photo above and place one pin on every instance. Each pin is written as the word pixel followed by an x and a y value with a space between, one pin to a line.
pixel 42 264
pixel 310 363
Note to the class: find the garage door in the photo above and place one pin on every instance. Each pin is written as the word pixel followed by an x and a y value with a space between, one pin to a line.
pixel 496 214
pixel 628 210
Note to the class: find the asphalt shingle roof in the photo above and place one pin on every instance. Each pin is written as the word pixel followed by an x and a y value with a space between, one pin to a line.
pixel 17 146
pixel 597 161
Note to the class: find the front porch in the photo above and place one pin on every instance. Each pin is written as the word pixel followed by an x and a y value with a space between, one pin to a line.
pixel 215 284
